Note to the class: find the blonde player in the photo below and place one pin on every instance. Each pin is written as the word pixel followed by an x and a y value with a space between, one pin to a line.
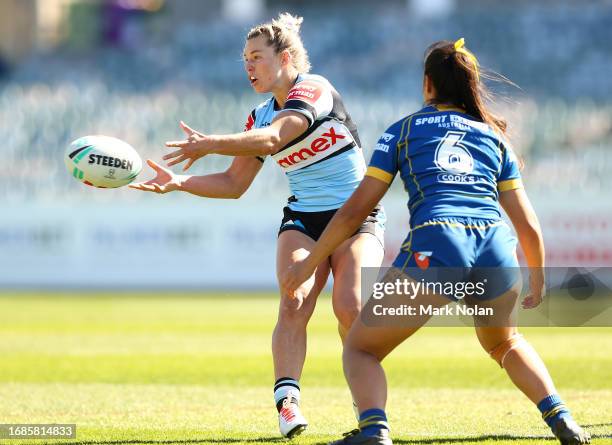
pixel 305 128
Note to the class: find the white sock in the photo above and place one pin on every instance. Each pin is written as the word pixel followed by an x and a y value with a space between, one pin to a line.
pixel 286 388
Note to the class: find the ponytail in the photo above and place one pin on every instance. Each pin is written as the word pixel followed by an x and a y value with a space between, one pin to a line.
pixel 455 74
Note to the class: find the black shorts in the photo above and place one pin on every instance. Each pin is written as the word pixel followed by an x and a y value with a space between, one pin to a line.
pixel 313 224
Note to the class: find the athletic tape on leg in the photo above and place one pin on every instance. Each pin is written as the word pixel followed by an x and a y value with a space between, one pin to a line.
pixel 499 352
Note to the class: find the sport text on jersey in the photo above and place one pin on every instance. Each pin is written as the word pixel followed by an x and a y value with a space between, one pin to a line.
pixel 451 121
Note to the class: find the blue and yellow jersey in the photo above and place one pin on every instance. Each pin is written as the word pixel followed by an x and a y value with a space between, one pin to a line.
pixel 451 164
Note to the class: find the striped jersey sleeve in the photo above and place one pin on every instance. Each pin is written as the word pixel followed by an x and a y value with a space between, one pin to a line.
pixel 383 164
pixel 250 122
pixel 510 173
pixel 311 98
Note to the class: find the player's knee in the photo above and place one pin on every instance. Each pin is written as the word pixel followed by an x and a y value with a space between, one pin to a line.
pixel 348 352
pixel 346 313
pixel 293 311
pixel 354 348
pixel 361 343
pixel 501 350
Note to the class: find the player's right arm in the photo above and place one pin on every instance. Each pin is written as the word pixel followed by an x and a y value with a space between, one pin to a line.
pixel 286 127
pixel 230 184
pixel 306 102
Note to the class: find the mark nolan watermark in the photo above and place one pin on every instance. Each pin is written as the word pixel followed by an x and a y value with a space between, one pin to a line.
pixel 485 297
pixel 430 310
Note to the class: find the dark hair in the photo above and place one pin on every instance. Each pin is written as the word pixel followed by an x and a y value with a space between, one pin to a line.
pixel 455 75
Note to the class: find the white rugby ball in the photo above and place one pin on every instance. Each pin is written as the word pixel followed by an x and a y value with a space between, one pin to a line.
pixel 102 161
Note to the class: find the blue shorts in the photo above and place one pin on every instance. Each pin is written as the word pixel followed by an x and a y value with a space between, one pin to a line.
pixel 462 249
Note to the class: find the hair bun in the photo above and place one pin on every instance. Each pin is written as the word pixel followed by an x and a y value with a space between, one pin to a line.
pixel 289 22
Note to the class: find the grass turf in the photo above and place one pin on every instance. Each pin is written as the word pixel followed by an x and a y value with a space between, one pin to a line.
pixel 185 368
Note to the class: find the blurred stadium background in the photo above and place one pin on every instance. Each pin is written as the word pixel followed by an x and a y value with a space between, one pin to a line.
pixel 130 367
pixel 133 68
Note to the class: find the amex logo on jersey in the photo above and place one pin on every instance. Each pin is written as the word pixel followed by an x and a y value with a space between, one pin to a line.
pixel 325 140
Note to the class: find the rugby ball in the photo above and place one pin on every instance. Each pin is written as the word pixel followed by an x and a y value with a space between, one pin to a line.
pixel 102 161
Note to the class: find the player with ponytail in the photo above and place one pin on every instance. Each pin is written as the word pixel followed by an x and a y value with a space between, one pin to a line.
pixel 459 170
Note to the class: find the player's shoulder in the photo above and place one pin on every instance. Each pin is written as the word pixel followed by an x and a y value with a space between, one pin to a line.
pixel 424 111
pixel 312 78
pixel 431 113
pixel 394 130
pixel 506 147
pixel 312 96
pixel 269 102
pixel 309 86
pixel 261 113
pixel 401 126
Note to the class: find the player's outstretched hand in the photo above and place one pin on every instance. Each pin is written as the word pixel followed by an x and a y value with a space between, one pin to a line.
pixel 293 277
pixel 190 149
pixel 165 181
pixel 537 290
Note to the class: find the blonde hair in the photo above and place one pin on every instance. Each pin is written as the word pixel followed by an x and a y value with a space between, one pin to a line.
pixel 283 33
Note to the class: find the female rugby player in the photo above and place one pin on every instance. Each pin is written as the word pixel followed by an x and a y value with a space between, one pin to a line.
pixel 305 129
pixel 458 169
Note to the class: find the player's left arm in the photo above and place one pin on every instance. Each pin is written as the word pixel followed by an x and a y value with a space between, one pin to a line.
pixel 256 142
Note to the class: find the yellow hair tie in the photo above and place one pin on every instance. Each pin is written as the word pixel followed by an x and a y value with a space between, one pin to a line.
pixel 460 48
pixel 460 43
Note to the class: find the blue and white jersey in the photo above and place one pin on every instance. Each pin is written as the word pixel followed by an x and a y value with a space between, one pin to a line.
pixel 325 164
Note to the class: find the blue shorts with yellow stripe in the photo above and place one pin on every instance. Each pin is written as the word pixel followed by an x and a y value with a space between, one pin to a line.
pixel 462 248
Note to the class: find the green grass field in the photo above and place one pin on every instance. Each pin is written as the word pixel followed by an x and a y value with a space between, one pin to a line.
pixel 193 369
